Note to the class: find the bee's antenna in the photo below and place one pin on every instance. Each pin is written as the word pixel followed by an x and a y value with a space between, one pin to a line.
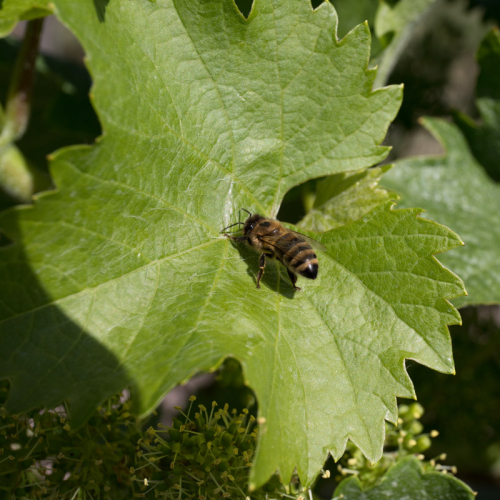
pixel 239 217
pixel 239 213
pixel 235 224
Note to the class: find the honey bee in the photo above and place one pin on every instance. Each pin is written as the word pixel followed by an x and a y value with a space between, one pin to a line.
pixel 274 241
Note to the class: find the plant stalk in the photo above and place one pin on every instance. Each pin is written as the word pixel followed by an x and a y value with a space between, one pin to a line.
pixel 18 108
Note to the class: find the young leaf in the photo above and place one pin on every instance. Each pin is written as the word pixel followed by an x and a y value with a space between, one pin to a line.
pixel 408 480
pixel 121 276
pixel 343 198
pixel 456 191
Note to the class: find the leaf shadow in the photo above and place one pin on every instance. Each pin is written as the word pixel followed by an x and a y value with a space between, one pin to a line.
pixel 245 7
pixel 39 342
pixel 270 276
pixel 100 9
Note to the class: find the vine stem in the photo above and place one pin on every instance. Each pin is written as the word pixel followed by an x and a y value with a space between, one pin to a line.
pixel 18 108
pixel 17 178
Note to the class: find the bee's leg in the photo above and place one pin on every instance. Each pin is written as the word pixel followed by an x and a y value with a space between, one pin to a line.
pixel 262 265
pixel 293 279
pixel 238 239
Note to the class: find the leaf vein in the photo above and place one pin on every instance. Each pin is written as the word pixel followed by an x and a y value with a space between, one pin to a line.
pixel 216 87
pixel 91 289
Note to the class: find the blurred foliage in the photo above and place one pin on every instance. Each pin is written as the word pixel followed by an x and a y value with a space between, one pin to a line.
pixel 230 386
pixel 465 408
pixel 484 137
pixel 61 115
pixel 491 8
pixel 424 67
pixel 456 192
pixel 42 457
pixel 395 26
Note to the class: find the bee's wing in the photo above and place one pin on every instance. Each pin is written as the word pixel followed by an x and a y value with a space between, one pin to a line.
pixel 311 241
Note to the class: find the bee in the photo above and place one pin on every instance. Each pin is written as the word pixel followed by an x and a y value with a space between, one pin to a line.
pixel 274 241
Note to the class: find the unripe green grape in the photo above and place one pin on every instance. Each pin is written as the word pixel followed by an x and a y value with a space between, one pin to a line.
pixel 416 428
pixel 423 443
pixel 416 410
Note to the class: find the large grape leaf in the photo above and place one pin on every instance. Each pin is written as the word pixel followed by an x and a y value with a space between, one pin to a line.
pixel 456 191
pixel 407 480
pixel 121 276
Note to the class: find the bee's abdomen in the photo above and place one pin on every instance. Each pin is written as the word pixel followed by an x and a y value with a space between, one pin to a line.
pixel 299 257
pixel 308 269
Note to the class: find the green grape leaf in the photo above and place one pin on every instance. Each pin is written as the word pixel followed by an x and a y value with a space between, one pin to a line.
pixel 13 11
pixel 343 198
pixel 407 479
pixel 456 191
pixel 121 276
pixel 484 138
pixel 394 27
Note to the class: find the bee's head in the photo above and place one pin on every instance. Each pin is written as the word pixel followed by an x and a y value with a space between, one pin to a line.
pixel 251 222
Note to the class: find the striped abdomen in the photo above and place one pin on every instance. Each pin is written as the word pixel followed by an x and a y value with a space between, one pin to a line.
pixel 297 255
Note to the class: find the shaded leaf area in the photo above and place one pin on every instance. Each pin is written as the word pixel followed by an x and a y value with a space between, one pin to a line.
pixel 343 198
pixel 60 94
pixel 407 480
pixel 13 11
pixel 484 137
pixel 121 276
pixel 456 191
